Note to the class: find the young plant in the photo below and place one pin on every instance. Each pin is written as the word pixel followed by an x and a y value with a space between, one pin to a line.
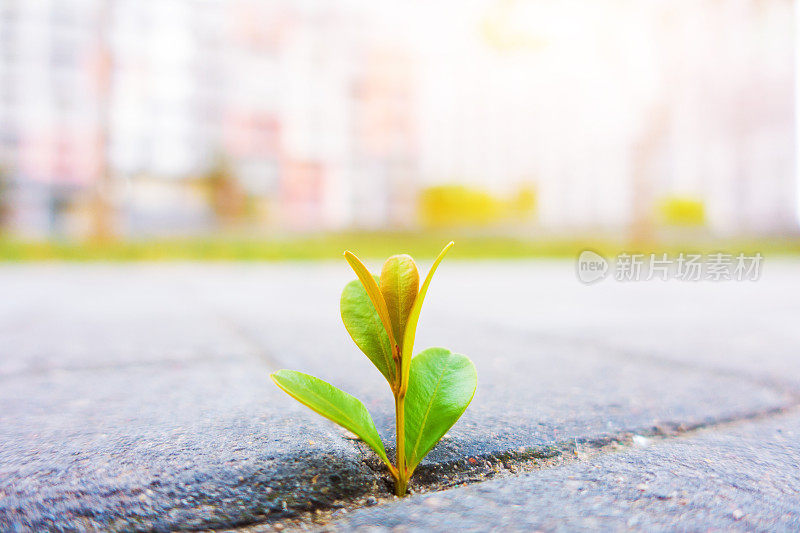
pixel 431 391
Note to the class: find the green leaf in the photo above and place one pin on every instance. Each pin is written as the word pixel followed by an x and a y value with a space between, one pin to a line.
pixel 332 403
pixel 375 296
pixel 399 285
pixel 365 328
pixel 413 317
pixel 441 387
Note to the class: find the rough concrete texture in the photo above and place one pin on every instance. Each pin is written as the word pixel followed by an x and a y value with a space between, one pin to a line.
pixel 738 478
pixel 137 396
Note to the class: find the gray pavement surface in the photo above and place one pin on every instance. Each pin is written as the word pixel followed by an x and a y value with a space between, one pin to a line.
pixel 743 478
pixel 137 396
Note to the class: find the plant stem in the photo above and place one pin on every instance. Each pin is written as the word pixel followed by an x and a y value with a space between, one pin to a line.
pixel 401 482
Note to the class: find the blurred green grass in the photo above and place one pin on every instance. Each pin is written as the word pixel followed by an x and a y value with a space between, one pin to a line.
pixel 365 244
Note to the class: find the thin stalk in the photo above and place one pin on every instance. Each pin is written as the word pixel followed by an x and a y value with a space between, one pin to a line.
pixel 401 482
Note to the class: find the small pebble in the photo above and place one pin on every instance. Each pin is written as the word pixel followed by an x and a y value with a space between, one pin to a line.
pixel 738 514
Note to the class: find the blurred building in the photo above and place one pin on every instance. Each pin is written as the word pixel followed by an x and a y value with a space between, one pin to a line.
pixel 296 98
pixel 385 140
pixel 611 107
pixel 327 114
pixel 48 108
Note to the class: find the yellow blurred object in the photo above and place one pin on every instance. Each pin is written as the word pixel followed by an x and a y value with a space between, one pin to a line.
pixel 462 206
pixel 682 211
pixel 524 201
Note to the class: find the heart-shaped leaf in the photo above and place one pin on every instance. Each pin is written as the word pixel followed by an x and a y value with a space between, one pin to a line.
pixel 440 388
pixel 332 403
pixel 366 329
pixel 399 285
pixel 413 317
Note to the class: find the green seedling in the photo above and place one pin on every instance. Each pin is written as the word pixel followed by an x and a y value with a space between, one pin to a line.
pixel 431 391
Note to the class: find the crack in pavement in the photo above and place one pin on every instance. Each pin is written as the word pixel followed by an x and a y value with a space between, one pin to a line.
pixel 477 469
pixel 609 349
pixel 497 465
pixel 262 353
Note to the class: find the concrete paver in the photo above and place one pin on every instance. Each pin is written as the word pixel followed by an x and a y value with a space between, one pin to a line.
pixel 137 396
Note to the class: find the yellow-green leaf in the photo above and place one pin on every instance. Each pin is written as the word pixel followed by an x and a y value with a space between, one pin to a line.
pixel 399 284
pixel 332 403
pixel 365 328
pixel 413 317
pixel 440 387
pixel 374 293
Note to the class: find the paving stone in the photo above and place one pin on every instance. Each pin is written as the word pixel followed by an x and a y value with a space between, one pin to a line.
pixel 137 396
pixel 739 478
